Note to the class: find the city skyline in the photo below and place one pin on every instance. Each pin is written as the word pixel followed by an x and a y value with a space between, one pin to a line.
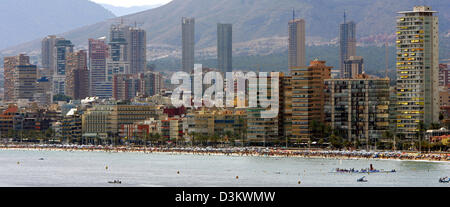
pixel 115 68
pixel 109 115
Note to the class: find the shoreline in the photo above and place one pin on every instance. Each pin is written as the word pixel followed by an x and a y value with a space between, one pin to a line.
pixel 250 152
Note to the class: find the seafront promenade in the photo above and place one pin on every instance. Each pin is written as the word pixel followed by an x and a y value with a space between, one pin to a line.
pixel 247 151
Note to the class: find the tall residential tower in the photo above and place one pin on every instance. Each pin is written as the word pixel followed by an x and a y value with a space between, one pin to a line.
pixel 297 43
pixel 48 52
pixel 62 48
pixel 347 44
pixel 98 53
pixel 188 43
pixel 224 47
pixel 137 50
pixel 417 70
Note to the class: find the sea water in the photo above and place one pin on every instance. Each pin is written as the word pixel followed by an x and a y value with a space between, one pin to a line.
pixel 76 168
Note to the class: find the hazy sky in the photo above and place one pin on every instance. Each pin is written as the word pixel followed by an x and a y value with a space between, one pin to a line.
pixel 129 3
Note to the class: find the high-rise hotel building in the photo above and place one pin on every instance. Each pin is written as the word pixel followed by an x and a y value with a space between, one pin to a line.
pixel 347 46
pixel 308 94
pixel 77 75
pixel 297 43
pixel 62 48
pixel 188 44
pixel 10 64
pixel 225 47
pixel 417 70
pixel 98 54
pixel 358 108
pixel 137 49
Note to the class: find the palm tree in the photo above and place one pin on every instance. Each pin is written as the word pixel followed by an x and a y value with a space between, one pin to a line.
pixel 422 128
pixel 159 137
pixel 192 135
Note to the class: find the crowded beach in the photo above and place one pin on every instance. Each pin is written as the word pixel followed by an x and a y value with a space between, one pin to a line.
pixel 247 151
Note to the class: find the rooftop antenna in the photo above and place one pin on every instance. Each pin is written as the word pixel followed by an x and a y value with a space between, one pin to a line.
pixel 345 16
pixel 386 58
pixel 293 14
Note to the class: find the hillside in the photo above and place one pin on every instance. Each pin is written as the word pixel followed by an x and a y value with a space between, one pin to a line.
pixel 255 20
pixel 25 20
pixel 121 11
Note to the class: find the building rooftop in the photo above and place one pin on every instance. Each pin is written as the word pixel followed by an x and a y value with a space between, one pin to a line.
pixel 416 9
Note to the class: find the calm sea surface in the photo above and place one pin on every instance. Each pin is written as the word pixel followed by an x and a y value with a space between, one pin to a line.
pixel 24 168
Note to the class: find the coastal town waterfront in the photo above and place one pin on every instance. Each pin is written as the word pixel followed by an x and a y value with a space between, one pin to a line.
pixel 96 166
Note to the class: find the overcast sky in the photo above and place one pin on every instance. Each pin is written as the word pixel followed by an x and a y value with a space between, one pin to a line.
pixel 129 3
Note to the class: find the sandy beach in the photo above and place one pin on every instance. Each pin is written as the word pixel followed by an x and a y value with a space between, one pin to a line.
pixel 247 151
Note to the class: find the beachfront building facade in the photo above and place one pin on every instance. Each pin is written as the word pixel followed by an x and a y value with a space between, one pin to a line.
pixel 145 130
pixel 417 70
pixel 308 98
pixel 106 119
pixel 285 124
pixel 71 127
pixel 263 130
pixel 223 123
pixel 358 109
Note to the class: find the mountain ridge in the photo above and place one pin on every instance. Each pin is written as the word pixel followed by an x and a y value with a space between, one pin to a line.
pixel 25 20
pixel 254 20
pixel 122 11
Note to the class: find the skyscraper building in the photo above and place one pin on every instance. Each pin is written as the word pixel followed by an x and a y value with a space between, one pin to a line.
pixel 77 75
pixel 285 107
pixel 48 52
pixel 62 48
pixel 43 95
pixel 152 83
pixel 98 53
pixel 353 67
pixel 126 86
pixel 137 50
pixel 297 54
pixel 118 60
pixel 308 98
pixel 9 67
pixel 25 77
pixel 347 43
pixel 358 108
pixel 417 70
pixel 444 75
pixel 225 47
pixel 118 42
pixel 262 130
pixel 188 44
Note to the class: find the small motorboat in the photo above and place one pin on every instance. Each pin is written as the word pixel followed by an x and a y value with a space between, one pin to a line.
pixel 362 179
pixel 444 180
pixel 115 182
pixel 41 158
